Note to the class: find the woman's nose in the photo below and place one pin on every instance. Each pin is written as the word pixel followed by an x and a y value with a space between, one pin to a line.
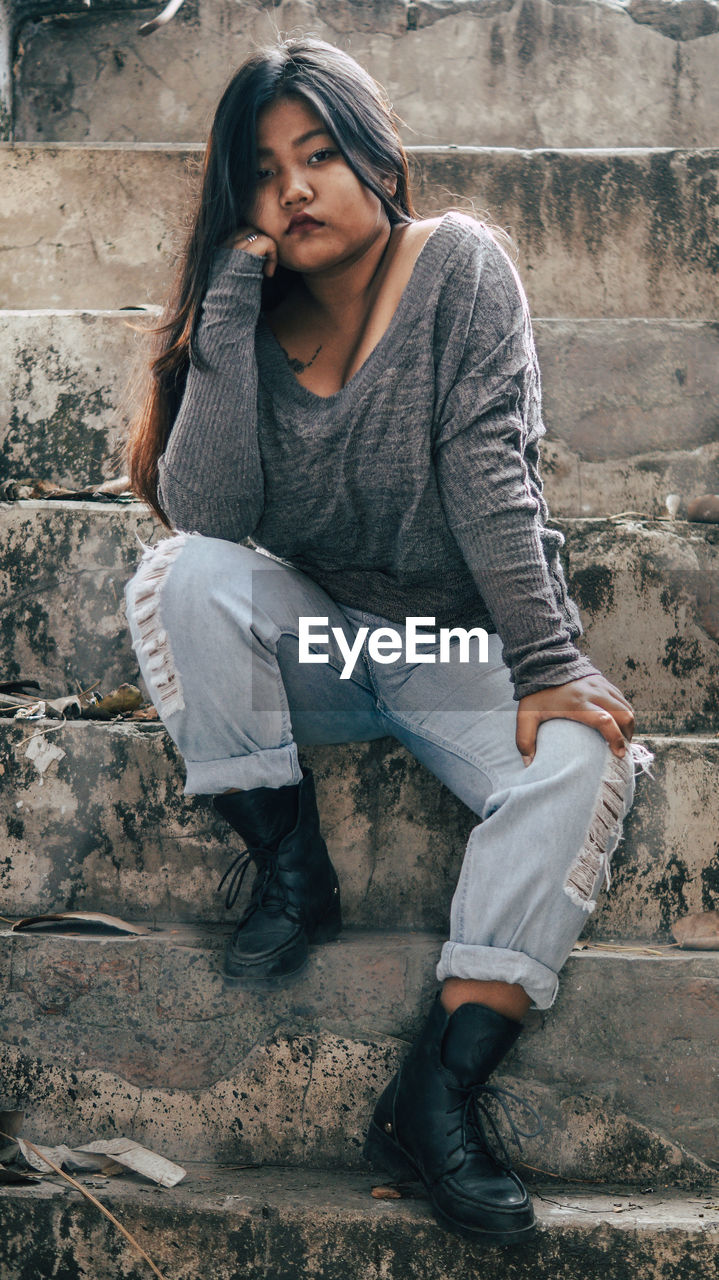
pixel 296 187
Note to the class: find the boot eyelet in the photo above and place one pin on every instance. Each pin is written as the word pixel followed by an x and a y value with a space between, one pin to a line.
pixel 387 1127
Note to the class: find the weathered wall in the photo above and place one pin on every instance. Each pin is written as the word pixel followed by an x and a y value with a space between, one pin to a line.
pixel 104 824
pixel 528 73
pixel 598 233
pixel 631 406
pixel 147 1031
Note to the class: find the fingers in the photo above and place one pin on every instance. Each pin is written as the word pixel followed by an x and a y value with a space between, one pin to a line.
pixel 604 721
pixel 618 696
pixel 528 722
pixel 256 243
pixel 590 700
pixel 612 702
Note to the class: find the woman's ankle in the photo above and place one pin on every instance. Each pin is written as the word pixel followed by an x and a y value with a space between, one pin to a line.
pixel 507 998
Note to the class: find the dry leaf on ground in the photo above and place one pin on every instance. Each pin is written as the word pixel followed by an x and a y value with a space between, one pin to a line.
pixel 73 922
pixel 698 932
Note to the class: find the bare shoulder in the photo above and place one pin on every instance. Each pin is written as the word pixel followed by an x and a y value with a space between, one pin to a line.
pixel 422 229
pixel 409 238
pixel 417 233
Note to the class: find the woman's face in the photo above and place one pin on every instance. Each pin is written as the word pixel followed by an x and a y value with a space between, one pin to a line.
pixel 302 175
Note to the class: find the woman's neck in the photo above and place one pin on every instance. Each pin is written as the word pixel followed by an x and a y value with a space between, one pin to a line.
pixel 349 288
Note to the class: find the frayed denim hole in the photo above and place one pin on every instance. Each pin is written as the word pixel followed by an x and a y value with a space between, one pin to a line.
pixel 161 672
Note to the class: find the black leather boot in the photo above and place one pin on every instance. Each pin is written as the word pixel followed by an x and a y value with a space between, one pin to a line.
pixel 295 896
pixel 430 1123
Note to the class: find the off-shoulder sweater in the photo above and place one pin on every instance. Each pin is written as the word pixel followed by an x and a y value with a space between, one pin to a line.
pixel 412 491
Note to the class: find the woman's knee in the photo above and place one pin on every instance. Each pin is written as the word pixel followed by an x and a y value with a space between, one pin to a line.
pixel 190 570
pixel 604 784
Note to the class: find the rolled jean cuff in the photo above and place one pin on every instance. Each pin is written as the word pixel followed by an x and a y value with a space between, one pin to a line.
pixel 273 767
pixel 495 964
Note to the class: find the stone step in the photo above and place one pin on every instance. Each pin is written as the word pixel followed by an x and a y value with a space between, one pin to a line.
pixel 286 1224
pixel 65 390
pixel 534 74
pixel 639 486
pixel 614 232
pixel 648 596
pixel 647 590
pixel 101 823
pixel 142 1037
pixel 629 405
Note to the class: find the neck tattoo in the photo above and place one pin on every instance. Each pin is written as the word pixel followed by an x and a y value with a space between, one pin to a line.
pixel 299 366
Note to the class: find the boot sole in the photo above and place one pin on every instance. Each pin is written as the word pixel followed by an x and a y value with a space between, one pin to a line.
pixel 380 1149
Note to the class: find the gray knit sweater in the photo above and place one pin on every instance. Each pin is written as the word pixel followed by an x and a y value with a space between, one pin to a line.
pixel 414 490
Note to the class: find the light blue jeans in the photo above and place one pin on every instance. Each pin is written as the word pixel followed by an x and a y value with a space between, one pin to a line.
pixel 215 627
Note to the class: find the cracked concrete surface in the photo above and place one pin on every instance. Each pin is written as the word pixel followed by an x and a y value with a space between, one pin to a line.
pixel 146 1034
pixel 646 591
pixel 597 233
pixel 640 422
pixel 530 73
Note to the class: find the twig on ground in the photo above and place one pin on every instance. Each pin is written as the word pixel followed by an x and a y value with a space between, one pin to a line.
pixel 89 1196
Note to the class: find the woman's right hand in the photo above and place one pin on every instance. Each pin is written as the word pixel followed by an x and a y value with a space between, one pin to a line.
pixel 260 247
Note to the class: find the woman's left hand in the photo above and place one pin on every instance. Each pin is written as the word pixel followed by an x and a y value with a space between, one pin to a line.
pixel 592 700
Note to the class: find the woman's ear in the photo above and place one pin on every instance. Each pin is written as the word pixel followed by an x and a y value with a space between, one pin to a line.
pixel 390 184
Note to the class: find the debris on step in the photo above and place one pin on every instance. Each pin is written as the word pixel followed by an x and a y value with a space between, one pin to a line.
pixel 386 1193
pixel 118 1155
pixel 123 702
pixel 73 923
pixel 15 1178
pixel 705 509
pixel 623 948
pixel 162 18
pixel 698 932
pixel 107 1157
pixel 116 490
pixel 126 697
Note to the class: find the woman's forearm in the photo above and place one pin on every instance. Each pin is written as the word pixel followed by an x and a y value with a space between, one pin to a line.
pixel 210 476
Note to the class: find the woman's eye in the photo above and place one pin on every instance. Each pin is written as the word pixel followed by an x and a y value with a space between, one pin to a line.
pixel 322 154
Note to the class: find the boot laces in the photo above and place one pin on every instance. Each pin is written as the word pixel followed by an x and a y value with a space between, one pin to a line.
pixel 481 1125
pixel 267 879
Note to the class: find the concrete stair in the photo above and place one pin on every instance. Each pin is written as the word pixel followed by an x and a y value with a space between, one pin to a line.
pixel 622 232
pixel 287 1223
pixel 105 826
pixel 646 588
pixel 641 422
pixel 597 130
pixel 146 1034
pixel 530 74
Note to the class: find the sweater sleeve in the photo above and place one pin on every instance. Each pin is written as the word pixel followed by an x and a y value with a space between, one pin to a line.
pixel 210 477
pixel 488 424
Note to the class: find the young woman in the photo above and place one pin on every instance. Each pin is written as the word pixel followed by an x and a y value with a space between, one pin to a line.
pixel 357 390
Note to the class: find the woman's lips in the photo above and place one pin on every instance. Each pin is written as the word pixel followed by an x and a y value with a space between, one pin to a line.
pixel 303 224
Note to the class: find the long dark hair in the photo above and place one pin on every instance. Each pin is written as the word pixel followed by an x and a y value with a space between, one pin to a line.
pixel 357 114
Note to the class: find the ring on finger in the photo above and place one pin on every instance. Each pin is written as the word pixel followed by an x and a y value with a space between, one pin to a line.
pixel 252 236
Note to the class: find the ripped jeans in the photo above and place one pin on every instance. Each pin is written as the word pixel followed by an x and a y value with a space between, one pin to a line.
pixel 215 628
